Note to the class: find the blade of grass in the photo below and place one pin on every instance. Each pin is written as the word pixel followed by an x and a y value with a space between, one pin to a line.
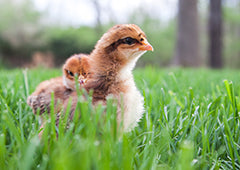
pixel 2 152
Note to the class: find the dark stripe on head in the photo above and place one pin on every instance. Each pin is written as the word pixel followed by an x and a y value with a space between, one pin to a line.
pixel 127 40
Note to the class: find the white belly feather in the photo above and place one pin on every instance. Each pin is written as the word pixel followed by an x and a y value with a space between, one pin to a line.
pixel 133 107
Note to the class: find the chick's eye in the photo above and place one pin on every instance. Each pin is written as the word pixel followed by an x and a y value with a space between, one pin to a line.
pixel 129 41
pixel 70 73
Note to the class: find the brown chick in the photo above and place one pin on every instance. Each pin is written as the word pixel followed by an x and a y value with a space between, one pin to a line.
pixel 112 62
pixel 40 99
pixel 61 87
pixel 77 65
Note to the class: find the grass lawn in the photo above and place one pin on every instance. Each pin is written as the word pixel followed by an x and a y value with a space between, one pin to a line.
pixel 191 122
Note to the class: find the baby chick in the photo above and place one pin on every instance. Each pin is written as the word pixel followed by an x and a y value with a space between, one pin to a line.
pixel 61 87
pixel 77 65
pixel 112 62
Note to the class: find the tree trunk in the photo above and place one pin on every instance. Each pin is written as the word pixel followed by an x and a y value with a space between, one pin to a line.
pixel 187 47
pixel 97 8
pixel 215 34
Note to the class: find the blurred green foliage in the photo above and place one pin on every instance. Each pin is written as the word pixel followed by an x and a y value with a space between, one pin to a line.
pixel 20 28
pixel 232 37
pixel 64 42
pixel 23 31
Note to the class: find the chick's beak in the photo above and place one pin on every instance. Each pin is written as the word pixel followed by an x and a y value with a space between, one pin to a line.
pixel 146 46
pixel 81 80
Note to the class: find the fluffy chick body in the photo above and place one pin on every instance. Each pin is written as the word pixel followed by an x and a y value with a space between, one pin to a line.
pixel 40 99
pixel 63 88
pixel 112 62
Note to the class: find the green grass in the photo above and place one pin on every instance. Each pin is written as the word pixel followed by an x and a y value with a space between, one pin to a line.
pixel 191 122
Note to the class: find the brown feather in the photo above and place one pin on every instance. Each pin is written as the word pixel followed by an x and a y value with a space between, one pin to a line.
pixel 112 61
pixel 40 99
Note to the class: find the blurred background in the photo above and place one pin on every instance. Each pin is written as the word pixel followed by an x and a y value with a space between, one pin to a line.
pixel 188 33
